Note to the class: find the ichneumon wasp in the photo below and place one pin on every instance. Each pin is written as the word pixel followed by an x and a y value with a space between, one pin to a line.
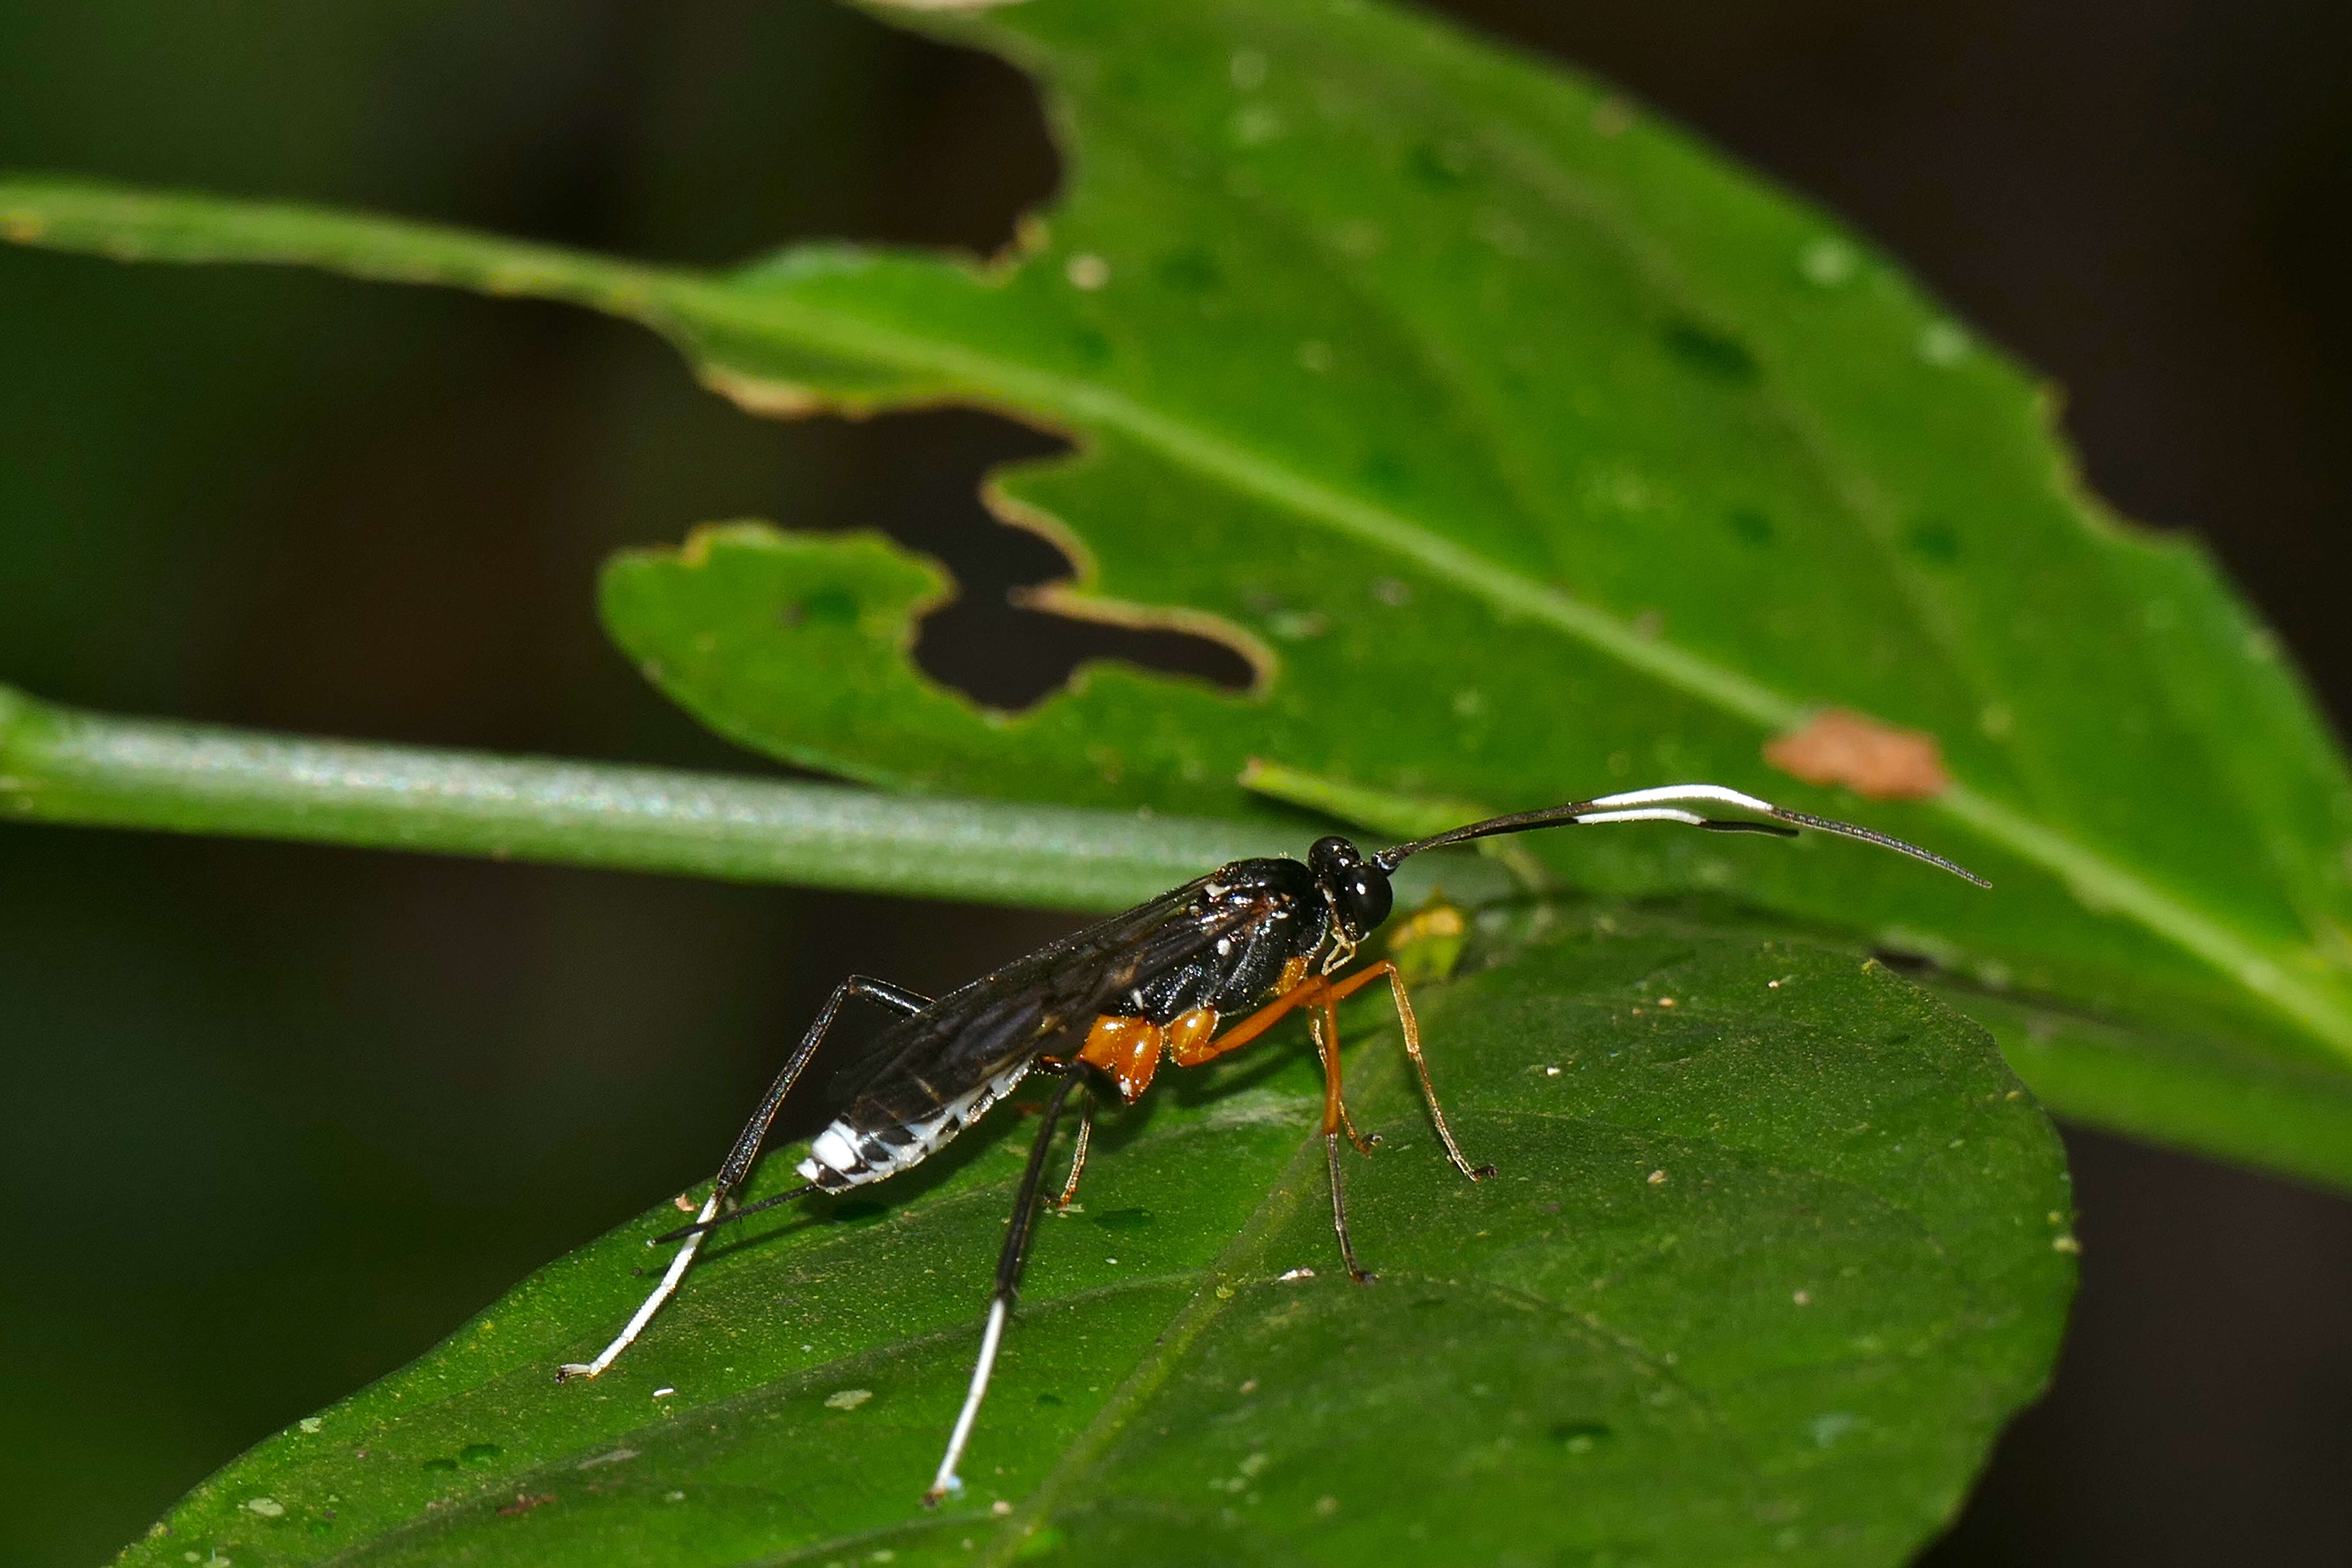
pixel 1260 938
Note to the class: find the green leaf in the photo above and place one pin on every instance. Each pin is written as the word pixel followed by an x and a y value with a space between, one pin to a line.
pixel 2173 1085
pixel 1528 451
pixel 1761 1271
pixel 775 637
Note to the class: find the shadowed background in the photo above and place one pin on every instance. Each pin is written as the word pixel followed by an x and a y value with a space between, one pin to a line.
pixel 276 1118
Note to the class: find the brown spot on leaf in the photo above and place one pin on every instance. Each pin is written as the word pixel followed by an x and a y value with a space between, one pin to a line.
pixel 522 1504
pixel 1877 761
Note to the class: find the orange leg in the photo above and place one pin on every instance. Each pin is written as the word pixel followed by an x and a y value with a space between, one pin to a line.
pixel 1249 1028
pixel 1340 1212
pixel 1410 1029
pixel 1322 994
pixel 1324 1025
pixel 1188 1033
pixel 1128 1049
pixel 1192 1040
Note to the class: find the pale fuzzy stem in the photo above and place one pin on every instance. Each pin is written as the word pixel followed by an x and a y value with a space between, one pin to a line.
pixel 947 1481
pixel 662 1292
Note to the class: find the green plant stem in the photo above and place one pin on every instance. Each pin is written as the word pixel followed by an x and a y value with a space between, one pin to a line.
pixel 60 765
pixel 66 765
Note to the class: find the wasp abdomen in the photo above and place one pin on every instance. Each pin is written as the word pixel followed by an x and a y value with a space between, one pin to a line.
pixel 844 1155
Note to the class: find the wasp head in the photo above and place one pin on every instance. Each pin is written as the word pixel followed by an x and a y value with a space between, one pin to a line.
pixel 1358 890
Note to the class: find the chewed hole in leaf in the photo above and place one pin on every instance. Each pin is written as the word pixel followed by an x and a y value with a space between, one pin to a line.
pixel 951 100
pixel 902 557
pixel 1012 656
pixel 995 641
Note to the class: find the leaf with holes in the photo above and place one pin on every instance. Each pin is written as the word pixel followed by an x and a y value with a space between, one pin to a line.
pixel 1774 1244
pixel 1526 450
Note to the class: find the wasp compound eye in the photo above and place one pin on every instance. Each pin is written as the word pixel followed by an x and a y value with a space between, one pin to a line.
pixel 1365 903
pixel 1359 890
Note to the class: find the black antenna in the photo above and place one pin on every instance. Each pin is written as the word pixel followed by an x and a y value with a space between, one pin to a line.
pixel 1652 806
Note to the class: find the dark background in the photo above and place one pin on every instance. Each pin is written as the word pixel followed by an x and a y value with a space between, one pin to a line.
pixel 274 1118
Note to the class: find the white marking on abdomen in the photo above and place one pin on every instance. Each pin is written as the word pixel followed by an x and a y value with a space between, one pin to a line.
pixel 843 1156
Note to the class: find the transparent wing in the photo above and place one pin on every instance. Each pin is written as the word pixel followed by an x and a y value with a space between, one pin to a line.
pixel 977 1032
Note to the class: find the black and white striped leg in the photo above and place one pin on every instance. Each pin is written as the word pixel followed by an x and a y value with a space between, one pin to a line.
pixel 1008 1287
pixel 741 1158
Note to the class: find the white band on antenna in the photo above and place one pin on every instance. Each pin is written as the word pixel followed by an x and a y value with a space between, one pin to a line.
pixel 1684 792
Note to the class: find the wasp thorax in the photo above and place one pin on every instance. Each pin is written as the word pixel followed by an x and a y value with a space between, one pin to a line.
pixel 1359 890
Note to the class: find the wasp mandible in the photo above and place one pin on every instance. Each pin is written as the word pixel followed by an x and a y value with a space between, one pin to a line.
pixel 1251 941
